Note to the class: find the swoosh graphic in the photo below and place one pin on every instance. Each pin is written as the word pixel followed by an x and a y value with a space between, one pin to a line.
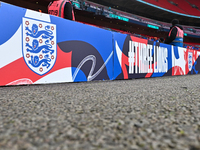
pixel 91 76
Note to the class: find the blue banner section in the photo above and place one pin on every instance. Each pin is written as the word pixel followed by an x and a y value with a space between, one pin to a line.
pixel 166 50
pixel 38 48
pixel 91 48
pixel 11 19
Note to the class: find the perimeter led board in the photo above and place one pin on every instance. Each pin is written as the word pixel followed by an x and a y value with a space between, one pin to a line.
pixel 152 26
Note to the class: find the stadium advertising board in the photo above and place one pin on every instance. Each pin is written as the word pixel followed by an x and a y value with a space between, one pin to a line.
pixel 38 48
pixel 140 58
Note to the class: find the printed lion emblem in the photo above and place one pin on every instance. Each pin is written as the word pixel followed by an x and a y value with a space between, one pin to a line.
pixel 35 33
pixel 35 48
pixel 39 45
pixel 36 62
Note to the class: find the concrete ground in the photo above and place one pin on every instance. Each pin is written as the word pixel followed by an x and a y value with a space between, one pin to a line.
pixel 139 114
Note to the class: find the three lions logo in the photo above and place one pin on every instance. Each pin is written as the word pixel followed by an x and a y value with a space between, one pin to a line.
pixel 36 62
pixel 35 33
pixel 35 48
pixel 39 45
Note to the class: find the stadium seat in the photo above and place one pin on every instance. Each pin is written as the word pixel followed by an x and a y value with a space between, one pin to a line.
pixel 194 2
pixel 185 6
pixel 167 5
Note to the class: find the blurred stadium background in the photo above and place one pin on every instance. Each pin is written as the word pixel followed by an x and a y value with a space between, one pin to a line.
pixel 149 19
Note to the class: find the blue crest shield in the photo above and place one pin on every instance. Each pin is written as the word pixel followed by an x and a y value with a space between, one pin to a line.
pixel 39 45
pixel 190 61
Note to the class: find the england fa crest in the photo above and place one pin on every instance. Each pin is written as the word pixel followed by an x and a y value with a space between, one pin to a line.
pixel 190 61
pixel 39 45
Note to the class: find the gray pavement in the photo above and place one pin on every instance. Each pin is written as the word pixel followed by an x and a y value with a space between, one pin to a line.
pixel 139 114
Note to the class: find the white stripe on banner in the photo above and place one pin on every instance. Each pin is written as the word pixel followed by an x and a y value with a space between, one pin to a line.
pixel 37 15
pixel 12 49
pixel 62 75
